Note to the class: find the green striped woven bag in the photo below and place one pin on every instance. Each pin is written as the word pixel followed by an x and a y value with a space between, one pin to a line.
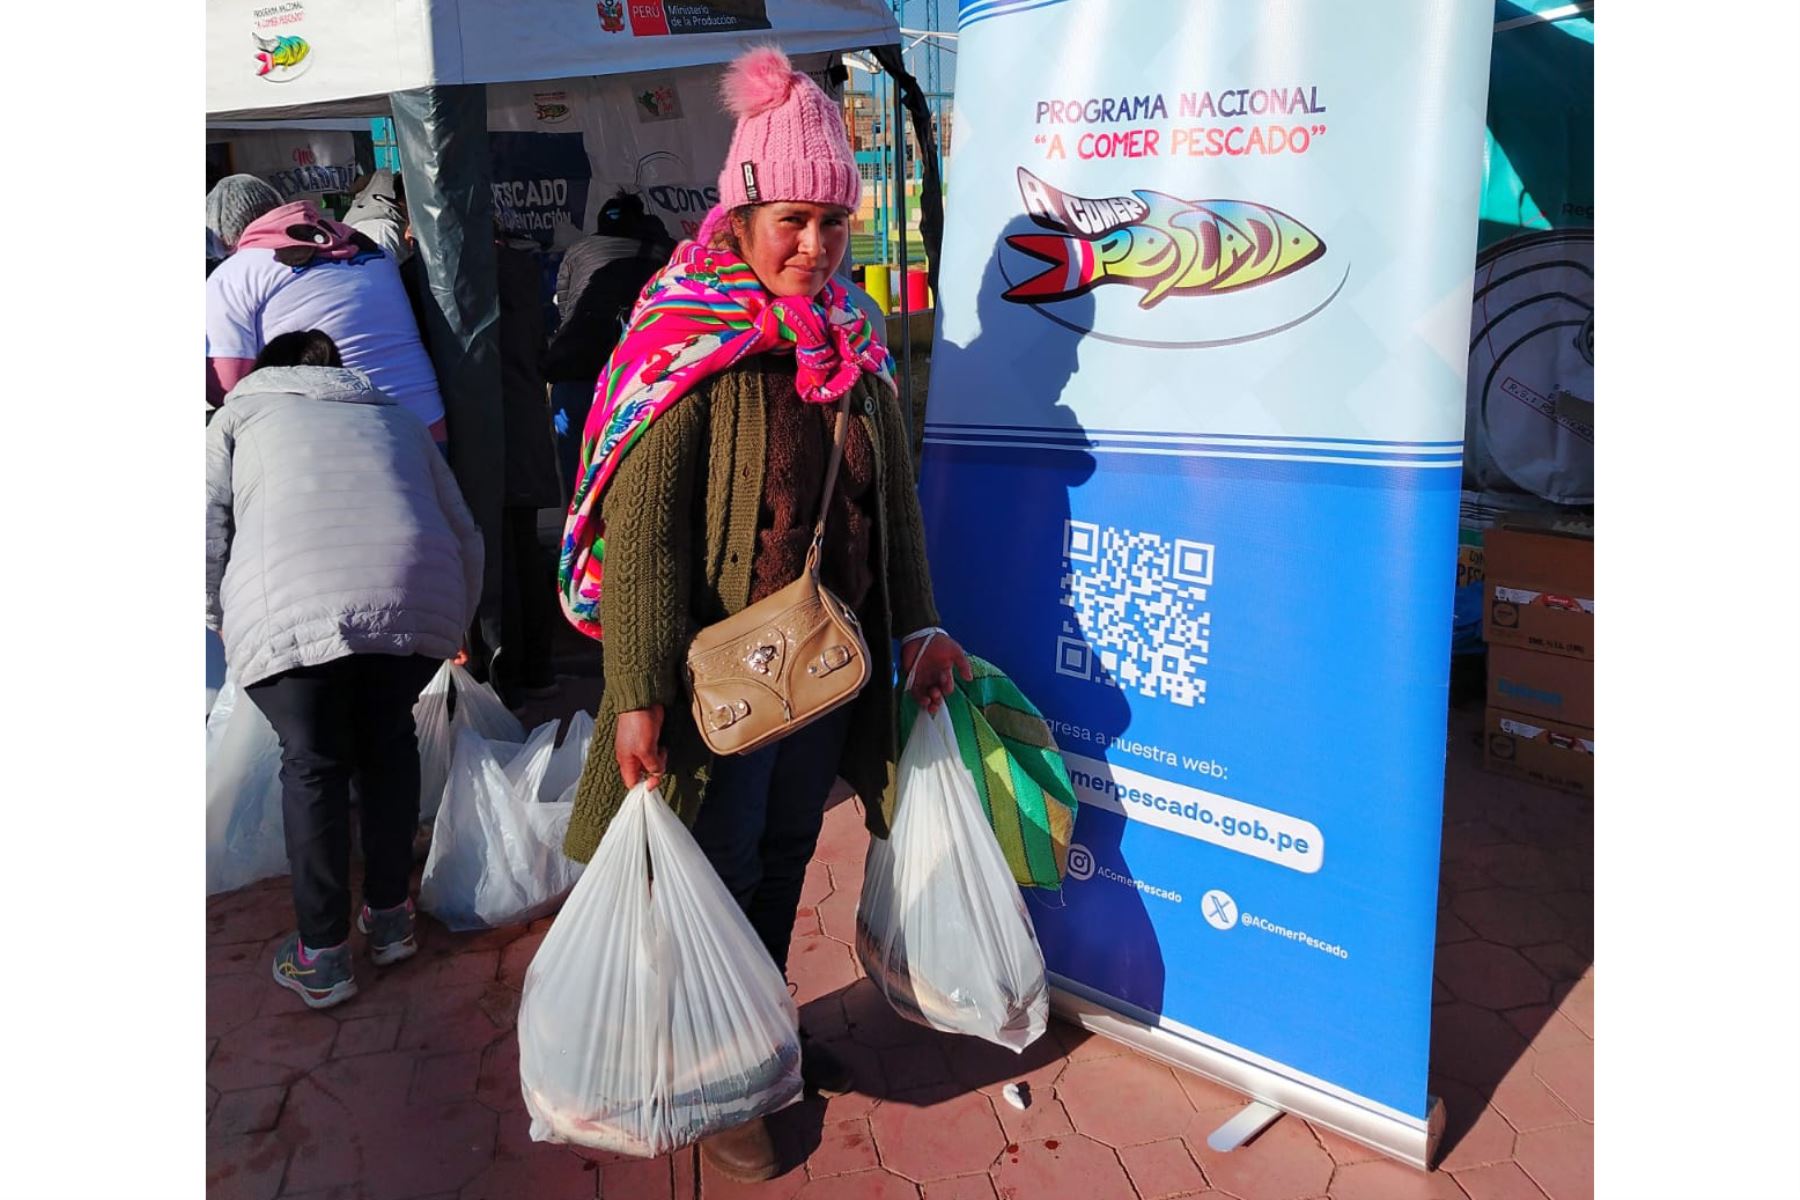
pixel 1019 773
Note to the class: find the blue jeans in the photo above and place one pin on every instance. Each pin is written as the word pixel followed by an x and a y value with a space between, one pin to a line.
pixel 760 822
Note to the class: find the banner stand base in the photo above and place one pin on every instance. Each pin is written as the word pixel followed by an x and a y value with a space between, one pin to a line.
pixel 1412 1142
pixel 1249 1121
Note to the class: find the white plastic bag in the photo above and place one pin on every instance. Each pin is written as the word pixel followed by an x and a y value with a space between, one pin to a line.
pixel 565 765
pixel 478 707
pixel 496 849
pixel 243 794
pixel 940 926
pixel 215 669
pixel 652 1015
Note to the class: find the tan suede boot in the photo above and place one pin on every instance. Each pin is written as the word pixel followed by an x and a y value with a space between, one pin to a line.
pixel 745 1153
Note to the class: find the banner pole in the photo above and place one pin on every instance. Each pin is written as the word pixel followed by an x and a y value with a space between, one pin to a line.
pixel 1245 1124
pixel 900 181
pixel 1414 1141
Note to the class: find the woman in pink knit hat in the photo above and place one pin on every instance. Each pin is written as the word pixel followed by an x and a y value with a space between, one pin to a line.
pixel 702 472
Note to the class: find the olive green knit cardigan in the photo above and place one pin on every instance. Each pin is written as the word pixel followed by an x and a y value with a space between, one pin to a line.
pixel 681 518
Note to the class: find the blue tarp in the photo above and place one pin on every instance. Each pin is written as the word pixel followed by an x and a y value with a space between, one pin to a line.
pixel 1539 172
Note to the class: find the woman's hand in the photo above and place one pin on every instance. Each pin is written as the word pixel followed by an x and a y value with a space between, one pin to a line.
pixel 928 662
pixel 637 744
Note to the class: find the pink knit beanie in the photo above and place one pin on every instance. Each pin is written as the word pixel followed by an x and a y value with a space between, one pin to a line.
pixel 790 142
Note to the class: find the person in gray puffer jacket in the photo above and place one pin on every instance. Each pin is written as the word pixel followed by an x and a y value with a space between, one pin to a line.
pixel 342 568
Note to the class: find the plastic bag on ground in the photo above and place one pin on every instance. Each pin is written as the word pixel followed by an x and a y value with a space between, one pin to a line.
pixel 496 849
pixel 940 926
pixel 244 840
pixel 478 707
pixel 652 1015
pixel 215 669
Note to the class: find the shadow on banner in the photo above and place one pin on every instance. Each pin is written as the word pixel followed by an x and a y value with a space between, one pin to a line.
pixel 1008 508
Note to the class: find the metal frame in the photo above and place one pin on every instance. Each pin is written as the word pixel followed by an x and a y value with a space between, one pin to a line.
pixel 1582 8
pixel 900 183
pixel 1409 1140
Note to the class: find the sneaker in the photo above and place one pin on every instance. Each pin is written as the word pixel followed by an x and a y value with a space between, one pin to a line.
pixel 390 932
pixel 321 978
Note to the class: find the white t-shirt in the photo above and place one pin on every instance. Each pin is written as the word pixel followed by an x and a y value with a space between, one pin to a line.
pixel 251 298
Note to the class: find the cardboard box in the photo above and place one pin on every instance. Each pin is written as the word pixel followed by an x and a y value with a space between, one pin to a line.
pixel 1552 686
pixel 1546 752
pixel 1540 586
pixel 1470 570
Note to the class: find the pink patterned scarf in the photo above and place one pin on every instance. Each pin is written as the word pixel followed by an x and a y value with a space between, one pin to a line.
pixel 703 313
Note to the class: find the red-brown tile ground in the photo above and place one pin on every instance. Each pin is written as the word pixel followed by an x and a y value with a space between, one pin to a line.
pixel 411 1090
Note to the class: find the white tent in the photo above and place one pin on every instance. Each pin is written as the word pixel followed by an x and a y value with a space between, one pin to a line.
pixel 458 77
pixel 317 58
pixel 559 147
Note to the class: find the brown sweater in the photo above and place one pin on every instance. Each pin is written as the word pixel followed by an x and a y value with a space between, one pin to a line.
pixel 681 523
pixel 799 454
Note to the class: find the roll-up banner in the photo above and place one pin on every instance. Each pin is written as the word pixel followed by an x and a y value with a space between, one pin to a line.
pixel 1191 475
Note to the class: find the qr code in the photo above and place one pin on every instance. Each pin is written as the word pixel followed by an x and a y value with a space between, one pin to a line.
pixel 1140 616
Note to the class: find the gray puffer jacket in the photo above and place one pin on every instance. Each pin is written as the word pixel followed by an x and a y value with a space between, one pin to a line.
pixel 333 526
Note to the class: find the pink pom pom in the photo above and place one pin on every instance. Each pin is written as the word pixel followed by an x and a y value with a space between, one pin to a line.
pixel 715 217
pixel 757 81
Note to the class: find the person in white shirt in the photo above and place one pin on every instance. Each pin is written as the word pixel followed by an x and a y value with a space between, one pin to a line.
pixel 293 268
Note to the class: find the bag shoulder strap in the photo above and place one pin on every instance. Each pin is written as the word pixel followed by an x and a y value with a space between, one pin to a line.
pixel 831 474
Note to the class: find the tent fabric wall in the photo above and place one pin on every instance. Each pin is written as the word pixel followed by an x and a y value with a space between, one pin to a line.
pixel 443 141
pixel 661 132
pixel 358 51
pixel 302 164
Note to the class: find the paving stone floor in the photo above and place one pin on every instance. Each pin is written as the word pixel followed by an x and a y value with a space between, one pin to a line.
pixel 411 1091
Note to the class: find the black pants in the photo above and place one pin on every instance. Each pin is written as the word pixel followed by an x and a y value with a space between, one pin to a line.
pixel 760 823
pixel 515 652
pixel 348 720
pixel 529 604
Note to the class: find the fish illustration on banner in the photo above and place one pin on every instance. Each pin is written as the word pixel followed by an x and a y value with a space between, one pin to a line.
pixel 283 52
pixel 1161 244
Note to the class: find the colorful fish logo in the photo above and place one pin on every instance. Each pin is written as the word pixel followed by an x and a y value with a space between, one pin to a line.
pixel 1156 242
pixel 287 53
pixel 552 113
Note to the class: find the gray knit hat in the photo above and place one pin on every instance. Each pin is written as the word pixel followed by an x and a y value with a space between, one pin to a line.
pixel 234 202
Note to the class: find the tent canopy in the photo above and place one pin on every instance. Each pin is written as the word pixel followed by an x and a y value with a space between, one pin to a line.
pixel 324 58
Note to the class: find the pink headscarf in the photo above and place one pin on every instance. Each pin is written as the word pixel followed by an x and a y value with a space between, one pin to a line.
pixel 302 236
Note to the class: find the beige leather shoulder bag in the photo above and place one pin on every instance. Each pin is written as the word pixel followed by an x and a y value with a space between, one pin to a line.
pixel 786 660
